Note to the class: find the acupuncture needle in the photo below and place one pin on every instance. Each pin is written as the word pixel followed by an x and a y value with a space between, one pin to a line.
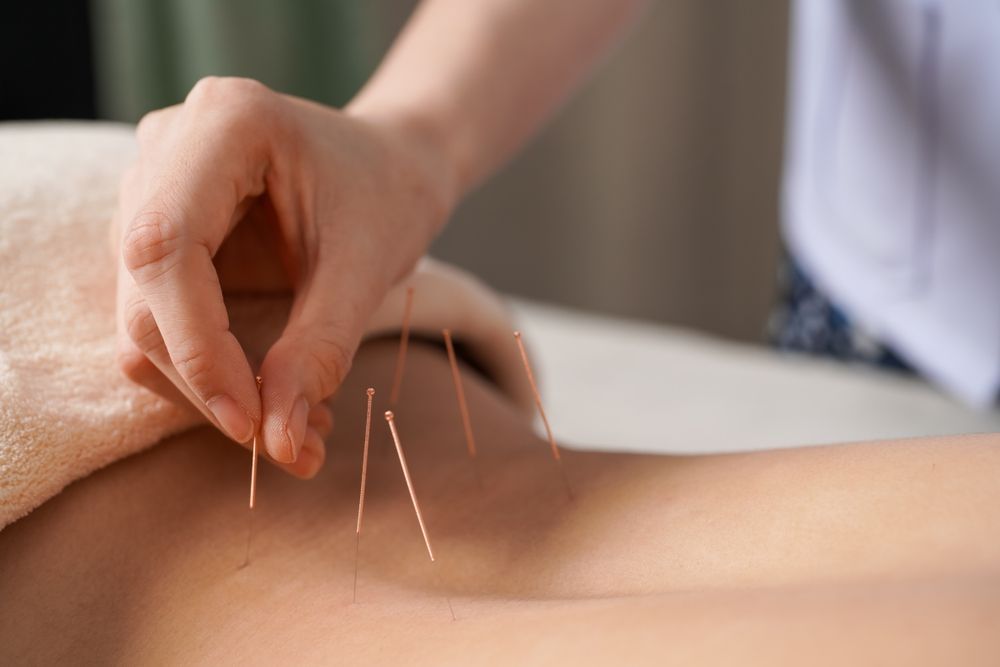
pixel 541 411
pixel 456 376
pixel 253 487
pixel 361 499
pixel 413 494
pixel 404 339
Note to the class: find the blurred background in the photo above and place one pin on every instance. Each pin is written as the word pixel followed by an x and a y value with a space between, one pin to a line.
pixel 669 157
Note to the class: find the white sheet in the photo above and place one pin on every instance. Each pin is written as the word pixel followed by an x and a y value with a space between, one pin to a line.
pixel 644 387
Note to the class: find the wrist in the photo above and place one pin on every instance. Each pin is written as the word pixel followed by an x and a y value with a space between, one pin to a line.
pixel 426 151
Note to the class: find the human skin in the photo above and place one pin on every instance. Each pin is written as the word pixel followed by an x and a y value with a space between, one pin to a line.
pixel 342 203
pixel 858 553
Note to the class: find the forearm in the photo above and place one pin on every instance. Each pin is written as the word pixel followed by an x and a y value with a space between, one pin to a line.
pixel 476 79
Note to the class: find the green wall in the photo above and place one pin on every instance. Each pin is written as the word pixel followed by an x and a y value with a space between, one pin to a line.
pixel 149 53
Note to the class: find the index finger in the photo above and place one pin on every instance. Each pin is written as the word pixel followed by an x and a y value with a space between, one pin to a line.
pixel 168 249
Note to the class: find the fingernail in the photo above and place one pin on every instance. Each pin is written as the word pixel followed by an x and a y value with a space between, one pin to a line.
pixel 295 429
pixel 233 419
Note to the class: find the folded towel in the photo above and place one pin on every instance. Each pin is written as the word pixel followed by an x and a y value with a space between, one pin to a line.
pixel 65 409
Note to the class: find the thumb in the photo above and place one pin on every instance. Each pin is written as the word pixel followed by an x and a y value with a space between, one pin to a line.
pixel 312 357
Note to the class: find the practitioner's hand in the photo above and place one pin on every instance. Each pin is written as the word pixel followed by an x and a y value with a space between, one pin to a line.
pixel 241 187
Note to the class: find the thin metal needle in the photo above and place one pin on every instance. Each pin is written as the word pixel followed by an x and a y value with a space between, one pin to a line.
pixel 470 441
pixel 253 488
pixel 404 339
pixel 413 497
pixel 409 482
pixel 541 411
pixel 361 498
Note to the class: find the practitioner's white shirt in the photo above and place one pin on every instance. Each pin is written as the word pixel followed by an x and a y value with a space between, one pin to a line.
pixel 892 176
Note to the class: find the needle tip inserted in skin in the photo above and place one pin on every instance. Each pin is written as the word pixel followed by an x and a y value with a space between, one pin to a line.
pixel 390 418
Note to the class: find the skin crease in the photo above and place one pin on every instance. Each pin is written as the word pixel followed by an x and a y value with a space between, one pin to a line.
pixel 346 201
pixel 867 552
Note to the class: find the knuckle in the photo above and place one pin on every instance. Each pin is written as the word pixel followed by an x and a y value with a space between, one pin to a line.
pixel 244 88
pixel 227 91
pixel 152 241
pixel 332 359
pixel 140 326
pixel 244 109
pixel 195 364
pixel 149 125
pixel 250 105
pixel 205 88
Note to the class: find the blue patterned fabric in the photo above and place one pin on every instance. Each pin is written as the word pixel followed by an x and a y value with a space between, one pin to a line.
pixel 806 321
